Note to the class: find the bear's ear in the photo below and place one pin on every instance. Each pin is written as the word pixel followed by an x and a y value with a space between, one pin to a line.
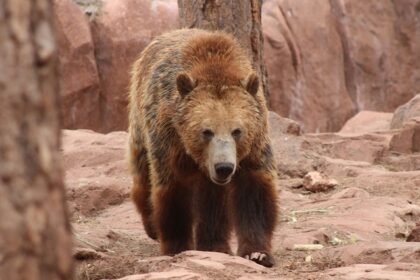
pixel 251 84
pixel 184 84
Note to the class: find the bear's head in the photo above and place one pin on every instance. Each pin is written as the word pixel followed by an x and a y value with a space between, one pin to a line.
pixel 218 125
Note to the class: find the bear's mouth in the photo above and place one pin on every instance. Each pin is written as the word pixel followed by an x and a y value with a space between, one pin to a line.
pixel 221 182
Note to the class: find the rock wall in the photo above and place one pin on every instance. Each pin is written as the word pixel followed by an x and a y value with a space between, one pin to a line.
pixel 120 32
pixel 98 42
pixel 326 60
pixel 79 77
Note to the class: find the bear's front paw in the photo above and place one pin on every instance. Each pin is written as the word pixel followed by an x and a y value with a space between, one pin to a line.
pixel 150 231
pixel 262 258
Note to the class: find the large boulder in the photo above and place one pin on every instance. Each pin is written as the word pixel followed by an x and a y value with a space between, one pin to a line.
pixel 327 60
pixel 78 79
pixel 121 30
pixel 408 138
pixel 406 112
pixel 367 121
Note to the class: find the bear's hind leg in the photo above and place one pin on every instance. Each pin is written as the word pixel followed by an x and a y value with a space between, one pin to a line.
pixel 213 227
pixel 255 214
pixel 141 190
pixel 173 218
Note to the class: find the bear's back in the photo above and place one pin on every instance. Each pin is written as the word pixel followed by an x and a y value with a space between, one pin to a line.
pixel 161 62
pixel 187 50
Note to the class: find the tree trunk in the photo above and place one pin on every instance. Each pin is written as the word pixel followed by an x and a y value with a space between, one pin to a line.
pixel 35 240
pixel 242 18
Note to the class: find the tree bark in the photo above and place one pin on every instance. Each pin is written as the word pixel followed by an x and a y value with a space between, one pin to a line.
pixel 242 18
pixel 35 240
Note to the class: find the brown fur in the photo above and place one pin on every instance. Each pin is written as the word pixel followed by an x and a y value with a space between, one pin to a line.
pixel 186 81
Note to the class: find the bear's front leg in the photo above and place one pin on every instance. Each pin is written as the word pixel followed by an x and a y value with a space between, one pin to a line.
pixel 213 225
pixel 140 194
pixel 173 218
pixel 255 214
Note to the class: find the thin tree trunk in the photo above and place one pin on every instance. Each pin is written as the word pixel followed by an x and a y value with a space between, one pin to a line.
pixel 242 18
pixel 35 240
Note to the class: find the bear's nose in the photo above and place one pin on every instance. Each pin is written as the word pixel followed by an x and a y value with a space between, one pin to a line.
pixel 224 170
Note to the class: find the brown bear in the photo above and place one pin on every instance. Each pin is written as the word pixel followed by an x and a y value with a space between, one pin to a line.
pixel 199 150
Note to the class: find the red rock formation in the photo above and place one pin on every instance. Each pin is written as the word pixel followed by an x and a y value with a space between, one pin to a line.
pixel 305 64
pixel 367 121
pixel 79 79
pixel 328 60
pixel 95 56
pixel 406 112
pixel 121 31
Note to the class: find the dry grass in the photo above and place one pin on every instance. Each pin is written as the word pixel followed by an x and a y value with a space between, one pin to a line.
pixel 109 268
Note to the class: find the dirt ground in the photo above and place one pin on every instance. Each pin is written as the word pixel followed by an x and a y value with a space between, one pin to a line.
pixel 359 227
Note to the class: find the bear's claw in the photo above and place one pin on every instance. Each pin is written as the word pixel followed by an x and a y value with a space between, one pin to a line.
pixel 261 258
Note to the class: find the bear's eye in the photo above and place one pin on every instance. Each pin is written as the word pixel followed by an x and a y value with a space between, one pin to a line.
pixel 236 133
pixel 207 134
